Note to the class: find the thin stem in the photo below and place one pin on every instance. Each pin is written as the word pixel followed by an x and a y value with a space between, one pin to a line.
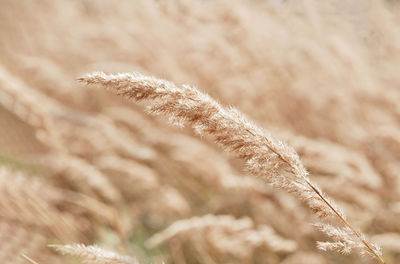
pixel 345 222
pixel 29 259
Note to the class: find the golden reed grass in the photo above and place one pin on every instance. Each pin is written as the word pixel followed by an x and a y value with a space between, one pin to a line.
pixel 93 254
pixel 264 155
pixel 79 165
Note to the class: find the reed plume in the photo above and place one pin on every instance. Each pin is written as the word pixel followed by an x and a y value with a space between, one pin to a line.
pixel 264 155
pixel 224 234
pixel 93 254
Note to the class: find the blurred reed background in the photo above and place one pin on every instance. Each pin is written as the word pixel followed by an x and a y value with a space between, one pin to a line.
pixel 79 165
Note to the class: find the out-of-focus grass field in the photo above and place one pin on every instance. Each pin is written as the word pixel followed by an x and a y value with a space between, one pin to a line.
pixel 79 165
